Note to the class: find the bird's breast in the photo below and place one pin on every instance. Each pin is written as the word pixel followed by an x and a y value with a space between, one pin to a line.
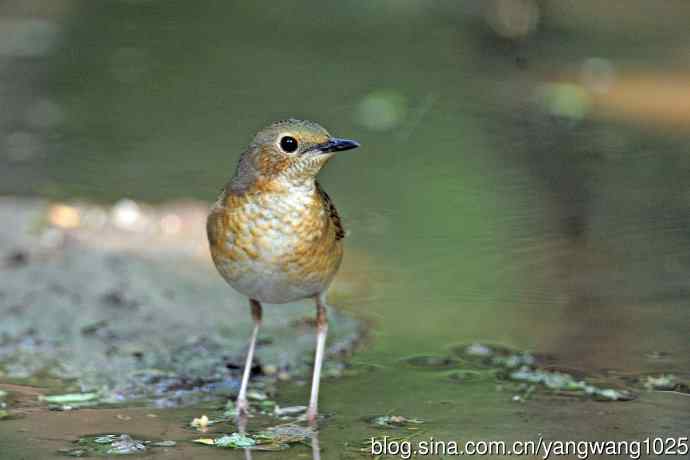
pixel 274 247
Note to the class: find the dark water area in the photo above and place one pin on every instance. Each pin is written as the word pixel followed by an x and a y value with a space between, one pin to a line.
pixel 518 184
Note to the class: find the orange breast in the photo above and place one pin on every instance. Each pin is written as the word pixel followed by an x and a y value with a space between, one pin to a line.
pixel 286 239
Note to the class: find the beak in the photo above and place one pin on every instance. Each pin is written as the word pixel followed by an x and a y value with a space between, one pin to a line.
pixel 337 145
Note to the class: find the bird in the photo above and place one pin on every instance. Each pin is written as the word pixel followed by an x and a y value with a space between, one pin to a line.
pixel 275 235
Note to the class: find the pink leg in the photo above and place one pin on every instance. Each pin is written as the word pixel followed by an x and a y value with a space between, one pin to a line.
pixel 242 405
pixel 321 332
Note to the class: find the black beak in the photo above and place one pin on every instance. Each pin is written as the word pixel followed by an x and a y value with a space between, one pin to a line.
pixel 337 145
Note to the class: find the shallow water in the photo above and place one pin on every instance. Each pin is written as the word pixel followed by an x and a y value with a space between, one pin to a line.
pixel 494 202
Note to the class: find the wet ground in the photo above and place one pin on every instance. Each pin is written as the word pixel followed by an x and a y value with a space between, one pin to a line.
pixel 94 352
pixel 121 303
pixel 524 184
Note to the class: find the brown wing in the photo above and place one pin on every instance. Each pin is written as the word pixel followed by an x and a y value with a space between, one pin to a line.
pixel 335 218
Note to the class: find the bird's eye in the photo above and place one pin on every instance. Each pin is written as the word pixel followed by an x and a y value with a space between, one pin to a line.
pixel 288 144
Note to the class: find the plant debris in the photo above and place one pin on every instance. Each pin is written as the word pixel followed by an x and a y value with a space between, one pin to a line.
pixel 290 411
pixel 4 413
pixel 257 395
pixel 236 440
pixel 393 421
pixel 71 398
pixel 125 445
pixel 275 438
pixel 562 382
pixel 487 355
pixel 523 367
pixel 112 444
pixel 70 401
pixel 230 409
pixel 658 382
pixel 664 382
pixel 200 423
pixel 163 444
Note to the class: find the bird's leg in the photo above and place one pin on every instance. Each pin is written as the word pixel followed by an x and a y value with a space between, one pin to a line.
pixel 242 405
pixel 321 331
pixel 242 429
pixel 315 446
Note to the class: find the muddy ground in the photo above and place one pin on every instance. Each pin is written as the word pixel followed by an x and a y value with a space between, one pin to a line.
pixel 123 303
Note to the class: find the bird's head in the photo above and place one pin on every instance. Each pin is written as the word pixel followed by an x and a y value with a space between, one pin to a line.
pixel 292 151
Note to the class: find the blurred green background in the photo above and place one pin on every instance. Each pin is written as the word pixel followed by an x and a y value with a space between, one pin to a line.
pixel 523 176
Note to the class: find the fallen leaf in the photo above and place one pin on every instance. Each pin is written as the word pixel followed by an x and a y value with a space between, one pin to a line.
pixel 205 441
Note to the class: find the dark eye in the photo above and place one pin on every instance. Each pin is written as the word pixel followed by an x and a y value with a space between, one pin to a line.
pixel 288 144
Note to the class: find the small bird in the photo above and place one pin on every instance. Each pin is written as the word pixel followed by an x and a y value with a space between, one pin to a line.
pixel 275 235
